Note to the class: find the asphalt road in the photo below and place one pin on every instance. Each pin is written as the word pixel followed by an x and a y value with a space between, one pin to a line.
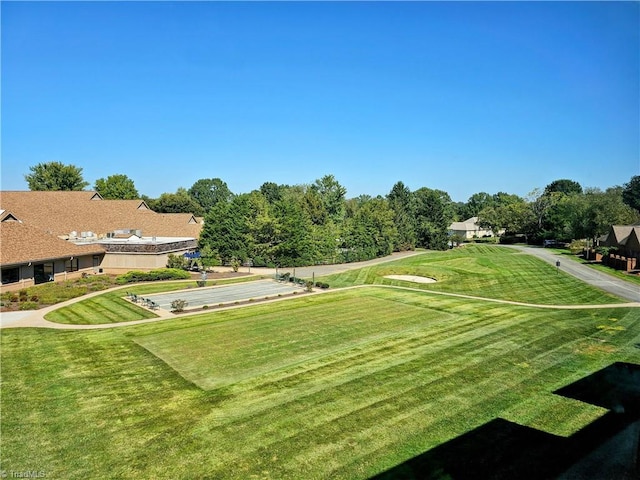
pixel 608 283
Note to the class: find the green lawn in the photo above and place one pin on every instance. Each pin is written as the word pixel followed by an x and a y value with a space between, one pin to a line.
pixel 599 266
pixel 483 271
pixel 347 384
pixel 341 385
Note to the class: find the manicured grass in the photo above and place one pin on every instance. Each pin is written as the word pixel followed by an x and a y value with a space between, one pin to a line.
pixel 483 271
pixel 342 385
pixel 600 267
pixel 113 307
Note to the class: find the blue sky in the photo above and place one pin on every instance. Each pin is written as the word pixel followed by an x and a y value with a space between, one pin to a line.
pixel 460 96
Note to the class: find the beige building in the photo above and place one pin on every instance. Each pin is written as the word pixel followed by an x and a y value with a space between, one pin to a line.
pixel 46 236
pixel 470 229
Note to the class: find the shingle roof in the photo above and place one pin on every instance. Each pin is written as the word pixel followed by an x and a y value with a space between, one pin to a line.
pixel 469 224
pixel 621 234
pixel 62 212
pixel 618 234
pixel 23 243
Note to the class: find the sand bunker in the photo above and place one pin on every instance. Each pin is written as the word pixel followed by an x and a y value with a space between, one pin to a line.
pixel 412 278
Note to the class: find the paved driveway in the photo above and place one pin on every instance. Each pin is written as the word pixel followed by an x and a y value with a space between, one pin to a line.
pixel 608 283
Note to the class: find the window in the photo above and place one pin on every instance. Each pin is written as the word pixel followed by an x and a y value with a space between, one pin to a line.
pixel 10 275
pixel 72 265
pixel 43 272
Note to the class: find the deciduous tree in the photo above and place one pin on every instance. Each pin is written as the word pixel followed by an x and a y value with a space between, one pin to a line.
pixel 55 176
pixel 179 202
pixel 631 193
pixel 209 191
pixel 116 187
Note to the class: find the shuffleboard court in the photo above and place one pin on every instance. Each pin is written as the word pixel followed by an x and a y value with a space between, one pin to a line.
pixel 225 294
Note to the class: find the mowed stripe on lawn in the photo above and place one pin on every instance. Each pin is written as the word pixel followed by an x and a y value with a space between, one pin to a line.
pixel 106 308
pixel 424 370
pixel 483 271
pixel 350 405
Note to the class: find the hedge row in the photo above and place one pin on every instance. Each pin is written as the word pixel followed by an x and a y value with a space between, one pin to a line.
pixel 152 276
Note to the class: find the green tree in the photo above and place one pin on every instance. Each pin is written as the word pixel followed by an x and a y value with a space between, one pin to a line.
pixel 332 195
pixel 492 218
pixel 179 202
pixel 434 213
pixel 116 187
pixel 209 191
pixel 226 230
pixel 272 191
pixel 55 176
pixel 401 202
pixel 293 244
pixel 603 209
pixel 370 232
pixel 476 203
pixel 631 193
pixel 565 186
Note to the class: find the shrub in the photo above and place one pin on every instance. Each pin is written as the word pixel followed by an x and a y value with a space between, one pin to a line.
pixel 34 298
pixel 604 251
pixel 577 246
pixel 178 305
pixel 235 264
pixel 309 286
pixel 28 306
pixel 23 295
pixel 176 261
pixel 322 285
pixel 154 275
pixel 509 239
pixel 205 307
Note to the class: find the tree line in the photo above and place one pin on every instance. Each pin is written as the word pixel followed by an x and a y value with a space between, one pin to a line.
pixel 293 225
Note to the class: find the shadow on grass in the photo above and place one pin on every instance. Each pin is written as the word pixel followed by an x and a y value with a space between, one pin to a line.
pixel 607 448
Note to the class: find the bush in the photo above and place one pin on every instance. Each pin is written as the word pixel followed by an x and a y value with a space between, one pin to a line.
pixel 322 285
pixel 28 306
pixel 604 251
pixel 176 261
pixel 577 246
pixel 23 295
pixel 509 239
pixel 485 240
pixel 152 276
pixel 178 305
pixel 235 264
